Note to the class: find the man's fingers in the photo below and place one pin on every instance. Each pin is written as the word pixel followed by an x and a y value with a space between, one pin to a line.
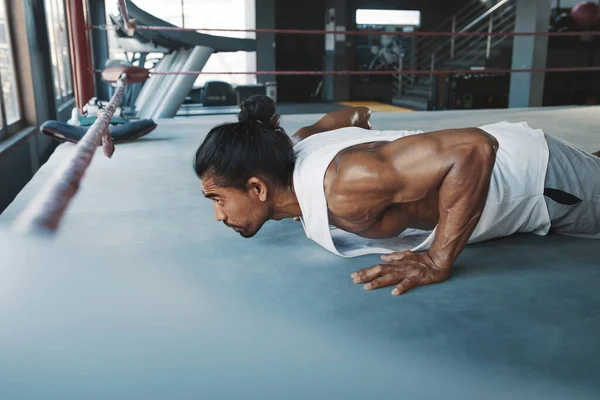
pixel 368 274
pixel 405 285
pixel 385 280
pixel 396 256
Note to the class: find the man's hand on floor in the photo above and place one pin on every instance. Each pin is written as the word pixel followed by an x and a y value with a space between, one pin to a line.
pixel 405 270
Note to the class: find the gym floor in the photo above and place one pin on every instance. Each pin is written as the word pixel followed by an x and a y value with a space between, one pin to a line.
pixel 144 295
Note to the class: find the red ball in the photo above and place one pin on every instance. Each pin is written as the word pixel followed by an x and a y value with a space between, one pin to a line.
pixel 585 15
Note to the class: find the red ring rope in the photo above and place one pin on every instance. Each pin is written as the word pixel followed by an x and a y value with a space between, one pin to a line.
pixel 352 32
pixel 44 212
pixel 385 72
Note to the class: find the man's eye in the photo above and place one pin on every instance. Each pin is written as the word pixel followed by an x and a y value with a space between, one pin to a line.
pixel 219 202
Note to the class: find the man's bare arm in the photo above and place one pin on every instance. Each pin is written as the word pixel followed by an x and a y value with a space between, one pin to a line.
pixel 457 164
pixel 346 117
pixel 462 198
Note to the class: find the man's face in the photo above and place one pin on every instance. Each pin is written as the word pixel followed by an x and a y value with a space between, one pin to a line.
pixel 245 211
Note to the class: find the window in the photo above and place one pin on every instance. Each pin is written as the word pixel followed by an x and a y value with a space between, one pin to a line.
pixel 236 14
pixel 388 17
pixel 239 14
pixel 59 50
pixel 9 101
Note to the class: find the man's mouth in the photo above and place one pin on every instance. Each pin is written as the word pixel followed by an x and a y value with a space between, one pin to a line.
pixel 235 228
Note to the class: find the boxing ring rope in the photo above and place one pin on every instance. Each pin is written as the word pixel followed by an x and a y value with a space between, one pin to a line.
pixel 351 32
pixel 45 211
pixel 384 72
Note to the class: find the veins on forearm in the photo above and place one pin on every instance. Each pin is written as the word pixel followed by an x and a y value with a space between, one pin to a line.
pixel 461 206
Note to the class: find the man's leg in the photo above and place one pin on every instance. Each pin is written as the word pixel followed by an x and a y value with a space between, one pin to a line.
pixel 573 189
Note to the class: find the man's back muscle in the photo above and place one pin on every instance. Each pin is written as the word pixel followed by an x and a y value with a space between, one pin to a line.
pixel 361 191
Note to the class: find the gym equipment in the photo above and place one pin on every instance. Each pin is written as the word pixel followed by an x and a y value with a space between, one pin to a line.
pixel 585 15
pixel 563 23
pixel 184 51
pixel 217 93
pixel 121 133
pixel 244 91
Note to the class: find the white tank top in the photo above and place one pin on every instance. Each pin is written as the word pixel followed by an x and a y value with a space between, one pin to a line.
pixel 515 201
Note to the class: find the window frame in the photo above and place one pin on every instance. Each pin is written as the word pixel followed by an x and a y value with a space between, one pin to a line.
pixel 7 130
pixel 61 101
pixel 30 41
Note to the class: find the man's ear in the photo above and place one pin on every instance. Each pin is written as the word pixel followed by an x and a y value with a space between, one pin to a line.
pixel 258 188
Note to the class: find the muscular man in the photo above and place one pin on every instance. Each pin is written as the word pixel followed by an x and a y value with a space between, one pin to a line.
pixel 417 197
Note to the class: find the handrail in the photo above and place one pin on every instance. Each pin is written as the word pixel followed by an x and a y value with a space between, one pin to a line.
pixel 459 21
pixel 482 16
pixel 500 26
pixel 468 6
pixel 441 47
pixel 495 42
pixel 423 61
pixel 464 29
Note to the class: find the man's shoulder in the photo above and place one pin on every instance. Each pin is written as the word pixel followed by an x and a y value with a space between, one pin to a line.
pixel 354 178
pixel 358 163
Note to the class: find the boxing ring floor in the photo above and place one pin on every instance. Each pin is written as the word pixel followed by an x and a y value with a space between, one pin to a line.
pixel 144 295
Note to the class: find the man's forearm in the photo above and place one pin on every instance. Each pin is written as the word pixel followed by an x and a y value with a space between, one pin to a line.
pixel 346 117
pixel 462 195
pixel 349 116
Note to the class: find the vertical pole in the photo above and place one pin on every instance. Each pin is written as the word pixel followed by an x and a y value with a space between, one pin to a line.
pixel 4 123
pixel 489 38
pixel 182 15
pixel 264 12
pixel 452 38
pixel 431 83
pixel 81 56
pixel 442 93
pixel 50 11
pixel 527 89
pixel 400 67
pixel 100 48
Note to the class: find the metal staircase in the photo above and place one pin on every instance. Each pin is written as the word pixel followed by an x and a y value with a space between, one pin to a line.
pixel 455 52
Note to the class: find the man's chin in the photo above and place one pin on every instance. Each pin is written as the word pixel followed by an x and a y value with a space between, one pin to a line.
pixel 247 235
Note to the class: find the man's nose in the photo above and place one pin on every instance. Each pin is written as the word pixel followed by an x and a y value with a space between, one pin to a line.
pixel 219 213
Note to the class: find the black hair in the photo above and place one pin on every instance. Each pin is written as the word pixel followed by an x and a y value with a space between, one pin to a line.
pixel 255 146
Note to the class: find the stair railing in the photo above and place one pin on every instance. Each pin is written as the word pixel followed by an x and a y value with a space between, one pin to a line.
pixel 496 17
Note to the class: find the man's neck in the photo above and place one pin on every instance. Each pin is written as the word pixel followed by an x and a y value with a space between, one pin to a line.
pixel 285 205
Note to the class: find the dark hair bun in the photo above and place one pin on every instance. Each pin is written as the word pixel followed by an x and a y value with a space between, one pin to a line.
pixel 259 109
